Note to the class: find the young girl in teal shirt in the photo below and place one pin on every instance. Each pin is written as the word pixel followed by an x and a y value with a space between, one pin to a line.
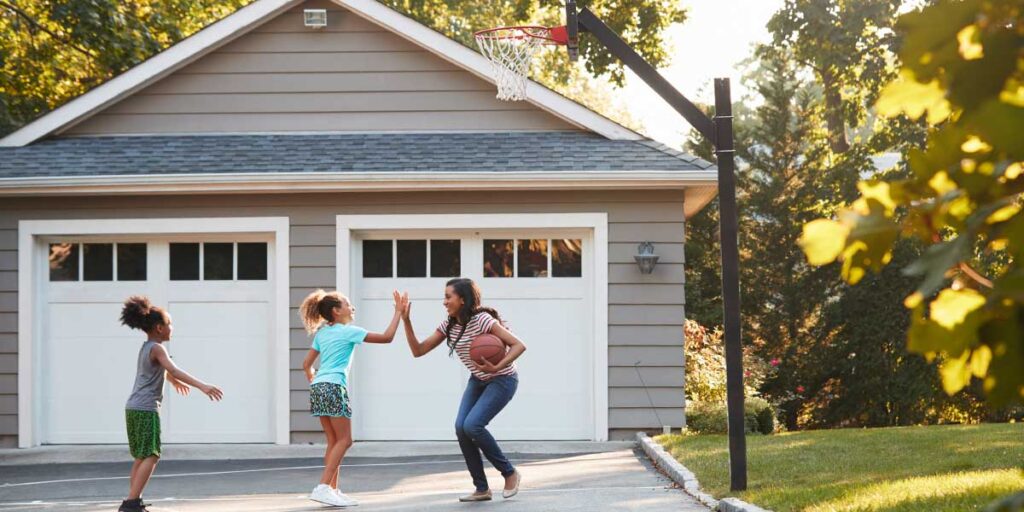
pixel 330 316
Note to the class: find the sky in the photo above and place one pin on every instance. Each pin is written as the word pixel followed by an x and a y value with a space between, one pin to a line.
pixel 699 58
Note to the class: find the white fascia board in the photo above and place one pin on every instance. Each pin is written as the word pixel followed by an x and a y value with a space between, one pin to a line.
pixel 370 182
pixel 150 70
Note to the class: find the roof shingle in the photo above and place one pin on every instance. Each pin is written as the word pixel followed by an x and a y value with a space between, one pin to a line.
pixel 342 153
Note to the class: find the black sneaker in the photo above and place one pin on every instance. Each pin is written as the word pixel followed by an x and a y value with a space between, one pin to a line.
pixel 135 505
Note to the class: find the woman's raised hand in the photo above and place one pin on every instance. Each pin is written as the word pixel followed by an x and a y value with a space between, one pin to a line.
pixel 399 302
pixel 407 307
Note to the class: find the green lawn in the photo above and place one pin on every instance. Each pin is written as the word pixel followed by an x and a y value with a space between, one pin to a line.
pixel 938 468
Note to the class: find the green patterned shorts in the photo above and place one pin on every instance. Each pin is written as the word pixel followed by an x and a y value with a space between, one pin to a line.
pixel 143 433
pixel 329 399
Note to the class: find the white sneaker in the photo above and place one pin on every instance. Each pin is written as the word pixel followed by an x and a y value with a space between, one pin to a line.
pixel 324 494
pixel 349 501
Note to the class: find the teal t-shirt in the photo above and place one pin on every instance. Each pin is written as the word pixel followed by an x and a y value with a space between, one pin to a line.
pixel 336 344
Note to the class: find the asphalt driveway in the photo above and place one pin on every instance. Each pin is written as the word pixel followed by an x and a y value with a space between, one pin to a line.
pixel 614 480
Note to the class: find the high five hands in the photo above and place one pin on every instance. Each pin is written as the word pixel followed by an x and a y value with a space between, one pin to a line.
pixel 401 302
pixel 403 299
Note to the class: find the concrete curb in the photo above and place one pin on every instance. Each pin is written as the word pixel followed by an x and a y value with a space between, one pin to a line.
pixel 736 505
pixel 676 471
pixel 687 480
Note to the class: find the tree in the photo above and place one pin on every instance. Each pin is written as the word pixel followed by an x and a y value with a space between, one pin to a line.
pixel 837 348
pixel 641 23
pixel 847 46
pixel 52 51
pixel 963 71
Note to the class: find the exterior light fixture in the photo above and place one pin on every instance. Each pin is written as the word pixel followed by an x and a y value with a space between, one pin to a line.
pixel 315 18
pixel 645 257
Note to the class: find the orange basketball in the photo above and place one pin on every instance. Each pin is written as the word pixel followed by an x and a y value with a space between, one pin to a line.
pixel 487 346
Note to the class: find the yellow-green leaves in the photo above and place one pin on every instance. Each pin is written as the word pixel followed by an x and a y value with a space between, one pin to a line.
pixel 970 43
pixel 823 240
pixel 951 307
pixel 951 330
pixel 861 238
pixel 906 95
pixel 961 69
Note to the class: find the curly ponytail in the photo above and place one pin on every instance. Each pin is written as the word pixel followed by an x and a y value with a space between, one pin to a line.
pixel 317 307
pixel 139 313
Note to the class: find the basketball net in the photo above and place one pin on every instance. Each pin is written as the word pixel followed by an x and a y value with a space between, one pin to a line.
pixel 511 51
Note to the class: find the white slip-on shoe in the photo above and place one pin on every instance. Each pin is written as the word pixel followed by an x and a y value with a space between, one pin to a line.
pixel 508 493
pixel 346 499
pixel 324 494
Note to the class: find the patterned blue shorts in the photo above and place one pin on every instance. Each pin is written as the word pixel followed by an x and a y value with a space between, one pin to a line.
pixel 329 399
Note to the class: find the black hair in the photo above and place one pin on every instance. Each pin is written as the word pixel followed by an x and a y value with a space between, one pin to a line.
pixel 469 292
pixel 139 313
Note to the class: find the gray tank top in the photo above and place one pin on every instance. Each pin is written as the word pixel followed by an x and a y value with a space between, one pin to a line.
pixel 149 382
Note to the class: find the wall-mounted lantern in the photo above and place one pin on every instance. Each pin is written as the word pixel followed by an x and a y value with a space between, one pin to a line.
pixel 645 257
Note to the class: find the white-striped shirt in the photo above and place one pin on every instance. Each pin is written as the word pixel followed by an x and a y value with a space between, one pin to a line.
pixel 481 323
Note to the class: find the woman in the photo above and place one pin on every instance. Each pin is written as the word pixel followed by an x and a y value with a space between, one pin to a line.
pixel 490 388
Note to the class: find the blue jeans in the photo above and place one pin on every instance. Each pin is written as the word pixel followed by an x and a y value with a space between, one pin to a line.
pixel 481 402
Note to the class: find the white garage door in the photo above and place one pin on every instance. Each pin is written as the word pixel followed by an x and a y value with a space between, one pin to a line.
pixel 540 282
pixel 218 291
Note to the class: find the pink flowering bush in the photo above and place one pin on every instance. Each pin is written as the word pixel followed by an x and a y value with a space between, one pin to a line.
pixel 706 386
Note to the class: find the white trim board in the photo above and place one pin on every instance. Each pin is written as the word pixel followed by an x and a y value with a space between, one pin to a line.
pixel 250 16
pixel 30 275
pixel 597 223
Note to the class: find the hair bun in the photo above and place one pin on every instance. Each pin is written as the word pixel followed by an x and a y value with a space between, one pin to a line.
pixel 136 312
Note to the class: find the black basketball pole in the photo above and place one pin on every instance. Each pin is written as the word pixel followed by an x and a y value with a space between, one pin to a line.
pixel 719 131
pixel 728 227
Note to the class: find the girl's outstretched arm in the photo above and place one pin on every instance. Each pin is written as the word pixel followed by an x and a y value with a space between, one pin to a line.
pixel 163 359
pixel 418 349
pixel 182 388
pixel 389 334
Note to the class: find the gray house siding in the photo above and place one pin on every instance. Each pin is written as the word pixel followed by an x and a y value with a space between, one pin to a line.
pixel 645 312
pixel 350 76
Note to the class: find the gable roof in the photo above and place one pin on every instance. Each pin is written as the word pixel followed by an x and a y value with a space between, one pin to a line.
pixel 349 162
pixel 250 16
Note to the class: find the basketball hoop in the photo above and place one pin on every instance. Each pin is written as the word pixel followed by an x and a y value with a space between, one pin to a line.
pixel 511 50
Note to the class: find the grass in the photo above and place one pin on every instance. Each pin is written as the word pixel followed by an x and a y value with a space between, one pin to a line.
pixel 936 468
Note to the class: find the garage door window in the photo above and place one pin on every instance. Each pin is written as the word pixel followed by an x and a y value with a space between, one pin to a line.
pixel 412 258
pixel 97 262
pixel 533 258
pixel 64 262
pixel 219 261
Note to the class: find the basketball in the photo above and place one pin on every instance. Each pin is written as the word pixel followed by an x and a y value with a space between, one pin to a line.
pixel 487 346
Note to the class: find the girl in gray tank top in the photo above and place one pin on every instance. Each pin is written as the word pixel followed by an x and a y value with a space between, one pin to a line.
pixel 142 410
pixel 149 381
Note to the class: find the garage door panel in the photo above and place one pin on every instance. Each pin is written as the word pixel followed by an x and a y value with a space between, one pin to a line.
pixel 72 292
pixel 224 344
pixel 396 396
pixel 100 320
pixel 74 391
pixel 553 373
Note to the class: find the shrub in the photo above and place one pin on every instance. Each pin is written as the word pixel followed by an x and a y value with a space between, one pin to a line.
pixel 705 365
pixel 712 417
